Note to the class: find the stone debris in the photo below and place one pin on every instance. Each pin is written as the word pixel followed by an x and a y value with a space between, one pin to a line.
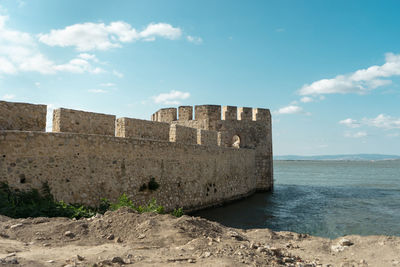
pixel 69 234
pixel 80 258
pixel 9 261
pixel 236 236
pixel 345 242
pixel 117 260
pixel 16 225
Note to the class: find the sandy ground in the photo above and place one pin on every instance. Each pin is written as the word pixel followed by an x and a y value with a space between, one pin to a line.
pixel 127 238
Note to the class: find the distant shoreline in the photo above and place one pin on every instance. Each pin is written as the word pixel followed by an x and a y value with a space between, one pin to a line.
pixel 343 157
pixel 349 160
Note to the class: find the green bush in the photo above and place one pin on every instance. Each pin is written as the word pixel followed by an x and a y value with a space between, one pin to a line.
pixel 178 212
pixel 22 204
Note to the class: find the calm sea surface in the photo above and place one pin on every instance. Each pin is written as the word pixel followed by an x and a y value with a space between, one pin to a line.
pixel 323 198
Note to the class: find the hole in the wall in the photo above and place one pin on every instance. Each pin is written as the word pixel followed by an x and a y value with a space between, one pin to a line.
pixel 153 185
pixel 215 190
pixel 4 156
pixel 142 187
pixel 236 141
pixel 22 178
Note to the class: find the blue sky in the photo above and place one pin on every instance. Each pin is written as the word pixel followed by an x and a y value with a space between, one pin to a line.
pixel 328 70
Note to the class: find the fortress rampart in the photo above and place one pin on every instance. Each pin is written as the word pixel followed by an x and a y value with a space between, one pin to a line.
pixel 235 127
pixel 196 163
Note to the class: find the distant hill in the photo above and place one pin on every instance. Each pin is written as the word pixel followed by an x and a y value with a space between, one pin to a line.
pixel 339 157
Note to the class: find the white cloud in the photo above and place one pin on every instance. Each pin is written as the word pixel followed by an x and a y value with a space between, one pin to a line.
pixel 164 30
pixel 383 121
pixel 356 135
pixel 78 65
pixel 350 123
pixel 306 99
pixel 118 74
pixel 360 81
pixel 19 53
pixel 97 91
pixel 6 66
pixel 87 56
pixel 8 96
pixel 37 84
pixel 107 84
pixel 291 109
pixel 171 98
pixel 194 39
pixel 99 36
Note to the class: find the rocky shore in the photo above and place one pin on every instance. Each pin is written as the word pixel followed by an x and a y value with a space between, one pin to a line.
pixel 127 238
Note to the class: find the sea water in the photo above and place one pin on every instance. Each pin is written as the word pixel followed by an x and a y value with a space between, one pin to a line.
pixel 322 198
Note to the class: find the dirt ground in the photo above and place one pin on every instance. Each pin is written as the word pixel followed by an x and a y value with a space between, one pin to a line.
pixel 127 238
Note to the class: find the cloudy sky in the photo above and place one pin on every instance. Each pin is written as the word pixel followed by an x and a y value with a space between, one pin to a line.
pixel 328 70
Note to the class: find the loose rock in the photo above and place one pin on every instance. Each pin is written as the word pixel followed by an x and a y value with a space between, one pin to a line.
pixel 16 225
pixel 117 260
pixel 69 234
pixel 345 242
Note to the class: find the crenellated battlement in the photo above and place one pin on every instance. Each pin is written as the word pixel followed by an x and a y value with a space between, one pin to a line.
pixel 22 116
pixel 211 113
pixel 165 115
pixel 78 121
pixel 229 113
pixel 185 113
pixel 207 112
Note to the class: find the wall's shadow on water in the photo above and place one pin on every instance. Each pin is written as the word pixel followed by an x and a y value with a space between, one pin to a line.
pixel 317 210
pixel 247 213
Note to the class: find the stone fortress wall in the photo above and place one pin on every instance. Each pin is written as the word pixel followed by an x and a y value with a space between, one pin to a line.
pixel 249 127
pixel 89 156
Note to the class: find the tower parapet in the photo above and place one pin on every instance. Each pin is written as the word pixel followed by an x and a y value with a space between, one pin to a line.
pixel 261 114
pixel 210 112
pixel 229 113
pixel 185 113
pixel 165 115
pixel 245 114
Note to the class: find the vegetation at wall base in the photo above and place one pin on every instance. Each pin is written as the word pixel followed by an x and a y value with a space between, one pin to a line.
pixel 15 203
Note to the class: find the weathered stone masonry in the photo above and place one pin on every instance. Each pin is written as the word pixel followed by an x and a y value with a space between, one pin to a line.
pixel 86 158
